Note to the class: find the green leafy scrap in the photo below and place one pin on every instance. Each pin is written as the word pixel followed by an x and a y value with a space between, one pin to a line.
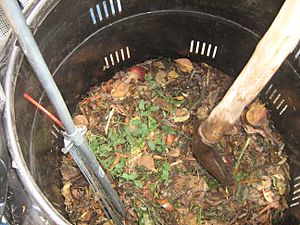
pixel 165 171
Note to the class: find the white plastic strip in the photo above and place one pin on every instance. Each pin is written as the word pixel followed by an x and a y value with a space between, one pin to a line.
pixel 92 14
pixel 203 48
pixel 208 50
pixel 99 12
pixel 215 52
pixel 197 47
pixel 105 9
pixel 119 5
pixel 128 52
pixel 117 56
pixel 112 7
pixel 192 46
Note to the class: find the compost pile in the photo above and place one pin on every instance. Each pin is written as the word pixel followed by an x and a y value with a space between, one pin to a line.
pixel 140 125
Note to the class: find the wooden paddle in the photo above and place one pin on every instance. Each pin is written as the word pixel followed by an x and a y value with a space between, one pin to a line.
pixel 278 42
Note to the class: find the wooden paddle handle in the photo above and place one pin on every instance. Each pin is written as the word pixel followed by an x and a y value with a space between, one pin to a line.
pixel 278 42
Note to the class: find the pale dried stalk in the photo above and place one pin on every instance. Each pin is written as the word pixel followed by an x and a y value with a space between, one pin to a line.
pixel 278 42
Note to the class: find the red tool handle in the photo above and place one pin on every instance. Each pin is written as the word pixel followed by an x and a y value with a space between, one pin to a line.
pixel 51 116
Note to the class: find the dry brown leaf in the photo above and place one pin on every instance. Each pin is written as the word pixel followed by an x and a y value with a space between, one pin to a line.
pixel 131 76
pixel 189 158
pixel 81 121
pixel 108 86
pixel 86 216
pixel 108 223
pixel 280 183
pixel 269 206
pixel 179 98
pixel 147 191
pixel 131 124
pixel 68 172
pixel 120 89
pixel 176 163
pixel 90 99
pixel 159 65
pixel 158 157
pixel 185 65
pixel 116 161
pixel 257 114
pixel 170 139
pixel 66 192
pixel 263 184
pixel 187 218
pixel 269 195
pixel 119 109
pixel 174 153
pixel 181 115
pixel 251 130
pixel 96 105
pixel 202 112
pixel 161 78
pixel 147 161
pixel 76 193
pixel 191 184
pixel 214 222
pixel 94 120
pixel 190 219
pixel 161 103
pixel 132 162
pixel 271 136
pixel 172 75
pixel 165 204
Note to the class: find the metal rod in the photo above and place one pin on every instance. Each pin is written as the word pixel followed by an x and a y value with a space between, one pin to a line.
pixel 103 201
pixel 31 50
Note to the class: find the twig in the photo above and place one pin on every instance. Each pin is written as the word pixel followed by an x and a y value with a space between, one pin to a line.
pixel 249 139
pixel 117 160
pixel 111 113
pixel 156 217
pixel 268 207
pixel 196 103
pixel 251 181
pixel 208 76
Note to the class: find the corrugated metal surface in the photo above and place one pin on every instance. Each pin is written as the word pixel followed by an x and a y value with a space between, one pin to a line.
pixel 4 27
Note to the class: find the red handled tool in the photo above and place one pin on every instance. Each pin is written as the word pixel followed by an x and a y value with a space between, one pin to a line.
pixel 50 115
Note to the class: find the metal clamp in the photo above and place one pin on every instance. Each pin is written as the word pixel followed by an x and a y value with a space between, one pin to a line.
pixel 67 140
